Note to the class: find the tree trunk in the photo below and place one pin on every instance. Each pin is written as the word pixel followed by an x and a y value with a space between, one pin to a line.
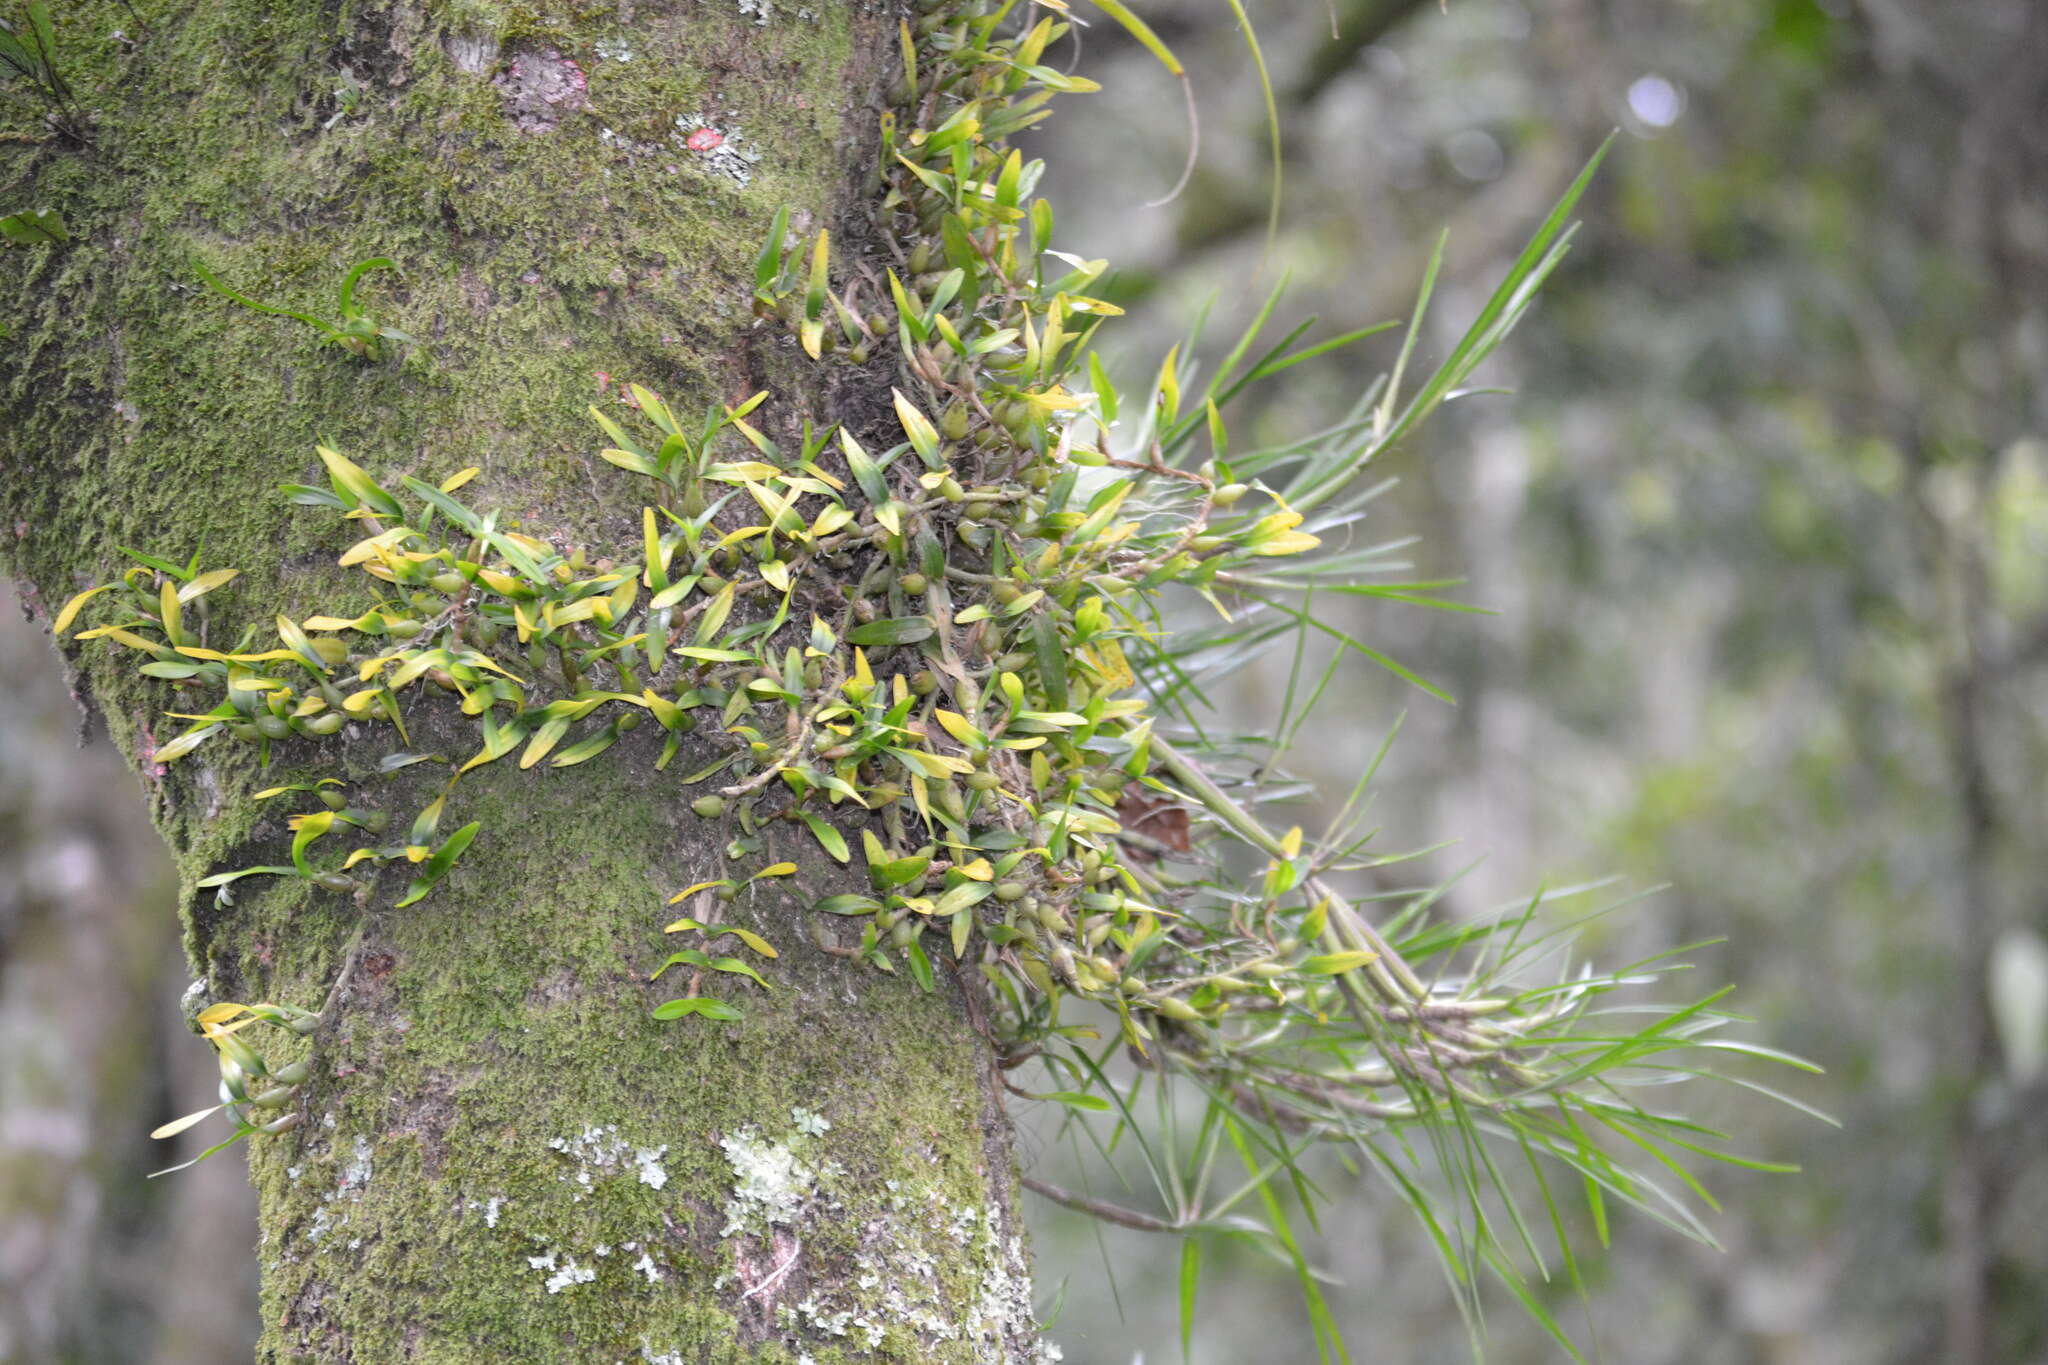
pixel 502 1156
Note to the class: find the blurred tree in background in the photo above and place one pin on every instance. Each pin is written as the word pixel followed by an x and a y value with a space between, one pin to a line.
pixel 1764 524
pixel 1764 527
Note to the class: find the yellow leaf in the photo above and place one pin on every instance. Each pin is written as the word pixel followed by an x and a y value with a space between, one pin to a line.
pixel 752 940
pixel 979 870
pixel 126 637
pixel 459 478
pixel 206 583
pixel 689 891
pixel 225 1010
pixel 266 656
pixel 1331 964
pixel 70 612
pixel 959 728
pixel 1287 543
pixel 1290 846
pixel 370 548
pixel 775 870
pixel 1107 658
pixel 743 471
pixel 183 744
pixel 177 1126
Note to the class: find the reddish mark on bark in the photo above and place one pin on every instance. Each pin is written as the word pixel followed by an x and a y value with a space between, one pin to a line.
pixel 604 382
pixel 146 755
pixel 537 86
pixel 379 965
pixel 1160 817
pixel 704 140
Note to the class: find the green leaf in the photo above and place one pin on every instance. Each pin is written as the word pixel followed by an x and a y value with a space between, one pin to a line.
pixel 901 871
pixel 1190 1277
pixel 961 897
pixel 162 566
pixel 847 905
pixel 924 437
pixel 811 331
pixel 768 265
pixel 241 1131
pixel 34 227
pixel 738 968
pixel 1047 647
pixel 444 504
pixel 295 640
pixel 866 472
pixel 833 841
pixel 1074 1099
pixel 347 296
pixel 893 630
pixel 309 828
pixel 920 966
pixel 436 867
pixel 357 488
pixel 698 1004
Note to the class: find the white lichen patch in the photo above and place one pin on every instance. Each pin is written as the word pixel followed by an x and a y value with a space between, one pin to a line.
pixel 491 1208
pixel 760 10
pixel 350 1182
pixel 646 1266
pixel 650 1168
pixel 599 1151
pixel 897 1284
pixel 356 1175
pixel 771 1183
pixel 903 1289
pixel 711 143
pixel 614 49
pixel 562 1272
pixel 717 145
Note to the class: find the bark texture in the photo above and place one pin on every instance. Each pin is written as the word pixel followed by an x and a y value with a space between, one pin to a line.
pixel 503 1156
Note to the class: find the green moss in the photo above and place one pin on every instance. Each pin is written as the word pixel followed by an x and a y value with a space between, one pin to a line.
pixel 499 1065
pixel 488 1031
pixel 142 410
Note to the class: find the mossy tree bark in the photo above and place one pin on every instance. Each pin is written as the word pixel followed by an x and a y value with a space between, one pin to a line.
pixel 503 1157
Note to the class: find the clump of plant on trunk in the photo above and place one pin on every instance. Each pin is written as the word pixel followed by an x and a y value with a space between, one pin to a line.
pixel 941 645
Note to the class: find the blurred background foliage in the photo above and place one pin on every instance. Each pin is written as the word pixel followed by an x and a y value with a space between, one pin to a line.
pixel 1764 529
